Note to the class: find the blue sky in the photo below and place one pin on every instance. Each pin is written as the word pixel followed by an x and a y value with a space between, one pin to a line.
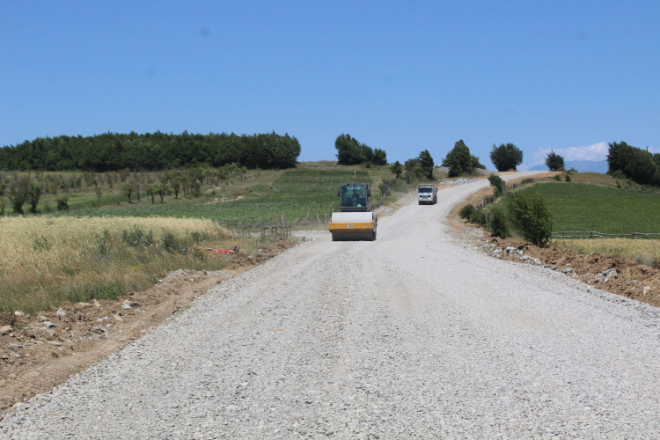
pixel 398 75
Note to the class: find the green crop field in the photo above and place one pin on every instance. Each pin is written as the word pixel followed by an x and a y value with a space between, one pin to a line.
pixel 295 193
pixel 583 207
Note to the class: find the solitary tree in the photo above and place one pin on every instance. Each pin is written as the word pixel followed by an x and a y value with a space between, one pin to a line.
pixel 136 189
pixel 99 193
pixel 506 157
pixel 554 161
pixel 18 194
pixel 458 160
pixel 151 192
pixel 176 185
pixel 162 189
pixel 427 164
pixel 396 169
pixel 128 191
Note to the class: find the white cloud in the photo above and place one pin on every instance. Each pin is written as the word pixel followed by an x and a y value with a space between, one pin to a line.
pixel 595 152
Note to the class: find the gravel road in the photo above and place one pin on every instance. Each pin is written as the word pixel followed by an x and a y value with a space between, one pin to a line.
pixel 415 335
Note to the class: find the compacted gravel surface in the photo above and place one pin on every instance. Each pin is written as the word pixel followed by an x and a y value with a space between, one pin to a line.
pixel 415 335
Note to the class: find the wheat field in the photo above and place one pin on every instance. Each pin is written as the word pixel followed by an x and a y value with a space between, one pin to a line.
pixel 44 261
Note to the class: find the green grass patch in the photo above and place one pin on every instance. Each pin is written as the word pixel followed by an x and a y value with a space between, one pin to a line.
pixel 584 207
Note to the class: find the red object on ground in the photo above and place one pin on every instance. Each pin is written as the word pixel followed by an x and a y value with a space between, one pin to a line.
pixel 224 251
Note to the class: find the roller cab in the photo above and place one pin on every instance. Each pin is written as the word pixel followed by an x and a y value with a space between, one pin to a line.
pixel 355 221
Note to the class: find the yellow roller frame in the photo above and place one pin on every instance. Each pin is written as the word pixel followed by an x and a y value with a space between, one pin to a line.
pixel 352 227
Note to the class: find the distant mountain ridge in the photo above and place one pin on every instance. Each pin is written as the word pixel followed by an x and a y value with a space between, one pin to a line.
pixel 583 166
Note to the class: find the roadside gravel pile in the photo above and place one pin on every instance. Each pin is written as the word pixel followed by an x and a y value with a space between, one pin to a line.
pixel 410 336
pixel 460 181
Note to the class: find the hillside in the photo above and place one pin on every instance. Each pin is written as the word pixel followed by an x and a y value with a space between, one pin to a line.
pixel 582 166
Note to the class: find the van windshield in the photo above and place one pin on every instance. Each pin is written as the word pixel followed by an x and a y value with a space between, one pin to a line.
pixel 426 190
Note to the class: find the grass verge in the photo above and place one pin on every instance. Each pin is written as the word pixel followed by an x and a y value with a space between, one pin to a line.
pixel 645 252
pixel 584 207
pixel 45 261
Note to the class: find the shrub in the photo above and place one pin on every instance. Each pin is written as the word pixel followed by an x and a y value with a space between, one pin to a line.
pixel 530 215
pixel 499 224
pixel 18 194
pixel 137 238
pixel 558 178
pixel 33 196
pixel 103 242
pixel 618 174
pixel 554 161
pixel 62 203
pixel 567 177
pixel 396 169
pixel 466 211
pixel 478 217
pixel 170 243
pixel 3 204
pixel 128 191
pixel 497 183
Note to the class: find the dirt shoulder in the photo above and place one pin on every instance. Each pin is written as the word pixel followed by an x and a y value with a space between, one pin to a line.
pixel 621 276
pixel 42 351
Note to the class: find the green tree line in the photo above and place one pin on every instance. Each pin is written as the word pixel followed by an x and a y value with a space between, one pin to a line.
pixel 351 152
pixel 151 151
pixel 640 166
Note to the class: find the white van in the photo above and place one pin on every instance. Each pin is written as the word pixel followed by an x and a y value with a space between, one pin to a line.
pixel 427 194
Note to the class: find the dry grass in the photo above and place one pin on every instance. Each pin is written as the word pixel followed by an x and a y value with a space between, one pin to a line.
pixel 44 261
pixel 644 251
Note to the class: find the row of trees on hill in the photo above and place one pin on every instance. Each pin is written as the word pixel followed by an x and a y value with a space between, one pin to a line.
pixel 351 152
pixel 640 166
pixel 151 151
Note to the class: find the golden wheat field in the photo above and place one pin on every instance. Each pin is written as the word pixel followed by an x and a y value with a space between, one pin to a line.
pixel 645 251
pixel 44 261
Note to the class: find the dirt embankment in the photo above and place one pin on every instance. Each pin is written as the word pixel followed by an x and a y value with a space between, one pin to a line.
pixel 622 276
pixel 39 352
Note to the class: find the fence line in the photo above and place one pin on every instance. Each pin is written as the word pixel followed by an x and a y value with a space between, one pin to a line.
pixel 272 225
pixel 596 234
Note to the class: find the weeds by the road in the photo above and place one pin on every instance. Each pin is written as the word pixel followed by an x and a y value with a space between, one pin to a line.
pixel 644 251
pixel 44 261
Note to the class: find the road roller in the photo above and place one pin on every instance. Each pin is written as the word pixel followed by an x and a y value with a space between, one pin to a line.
pixel 355 221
